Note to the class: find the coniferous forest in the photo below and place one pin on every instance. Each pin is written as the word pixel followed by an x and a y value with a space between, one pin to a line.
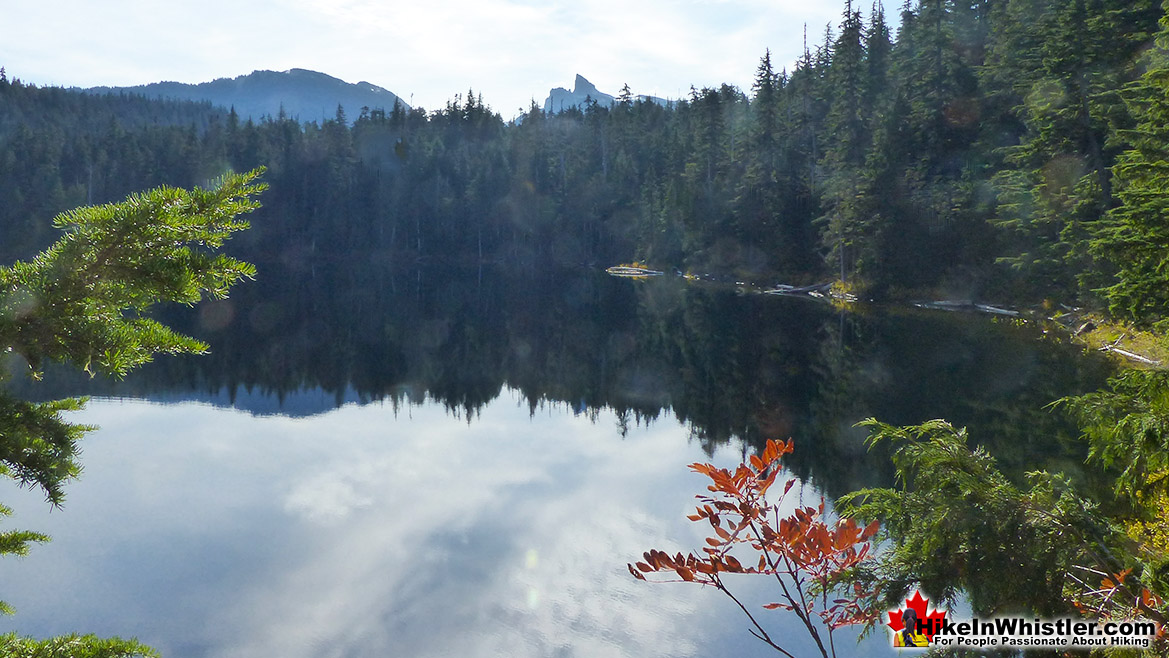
pixel 1007 150
pixel 987 149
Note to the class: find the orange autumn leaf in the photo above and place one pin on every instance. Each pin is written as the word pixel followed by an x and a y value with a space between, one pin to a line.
pixel 804 545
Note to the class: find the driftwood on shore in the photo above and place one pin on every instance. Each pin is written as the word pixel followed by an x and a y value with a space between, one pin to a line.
pixel 948 305
pixel 633 271
pixel 784 289
pixel 824 291
pixel 1130 355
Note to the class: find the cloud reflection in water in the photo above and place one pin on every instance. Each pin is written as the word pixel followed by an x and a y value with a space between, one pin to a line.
pixel 365 532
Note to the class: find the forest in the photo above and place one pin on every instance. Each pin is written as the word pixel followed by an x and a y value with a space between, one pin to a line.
pixel 1015 151
pixel 987 150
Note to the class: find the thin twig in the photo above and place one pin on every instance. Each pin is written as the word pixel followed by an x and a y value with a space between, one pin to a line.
pixel 761 634
pixel 801 613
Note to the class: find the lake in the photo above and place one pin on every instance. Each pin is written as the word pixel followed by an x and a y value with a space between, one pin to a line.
pixel 375 462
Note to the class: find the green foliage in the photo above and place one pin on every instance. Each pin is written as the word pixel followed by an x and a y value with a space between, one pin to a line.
pixel 958 525
pixel 16 542
pixel 843 224
pixel 85 298
pixel 37 447
pixel 73 646
pixel 875 159
pixel 1127 429
pixel 1135 239
pixel 1061 66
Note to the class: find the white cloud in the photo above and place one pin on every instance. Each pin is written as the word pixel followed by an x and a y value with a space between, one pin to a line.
pixel 362 532
pixel 510 50
pixel 440 505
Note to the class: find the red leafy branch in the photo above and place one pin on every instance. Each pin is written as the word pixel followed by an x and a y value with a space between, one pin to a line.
pixel 1120 597
pixel 809 557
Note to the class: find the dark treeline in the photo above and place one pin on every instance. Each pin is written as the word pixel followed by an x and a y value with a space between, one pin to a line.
pixel 973 153
pixel 731 367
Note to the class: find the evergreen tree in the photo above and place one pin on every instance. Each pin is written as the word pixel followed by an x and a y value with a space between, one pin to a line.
pixel 84 300
pixel 847 144
pixel 1057 182
pixel 1135 237
pixel 758 191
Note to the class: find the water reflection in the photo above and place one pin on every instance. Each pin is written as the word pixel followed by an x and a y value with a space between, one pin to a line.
pixel 730 366
pixel 368 531
pixel 414 463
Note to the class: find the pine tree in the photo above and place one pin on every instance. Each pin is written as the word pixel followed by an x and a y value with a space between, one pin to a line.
pixel 847 143
pixel 765 108
pixel 757 191
pixel 85 299
pixel 1135 237
pixel 625 98
pixel 1057 181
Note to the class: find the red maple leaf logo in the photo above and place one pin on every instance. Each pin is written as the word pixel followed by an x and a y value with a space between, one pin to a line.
pixel 930 623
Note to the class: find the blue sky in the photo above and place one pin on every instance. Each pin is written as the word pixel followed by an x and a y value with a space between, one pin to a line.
pixel 511 51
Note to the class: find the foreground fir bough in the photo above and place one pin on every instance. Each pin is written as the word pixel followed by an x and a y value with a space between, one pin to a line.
pixel 85 298
pixel 958 527
pixel 85 301
pixel 73 646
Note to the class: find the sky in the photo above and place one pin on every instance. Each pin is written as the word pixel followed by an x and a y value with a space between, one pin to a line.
pixel 426 51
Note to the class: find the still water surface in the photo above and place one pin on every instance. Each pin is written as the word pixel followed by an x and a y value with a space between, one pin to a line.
pixel 468 470
pixel 369 532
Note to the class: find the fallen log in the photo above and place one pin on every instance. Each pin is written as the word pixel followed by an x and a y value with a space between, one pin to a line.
pixel 987 308
pixel 784 289
pixel 1130 355
pixel 963 305
pixel 631 271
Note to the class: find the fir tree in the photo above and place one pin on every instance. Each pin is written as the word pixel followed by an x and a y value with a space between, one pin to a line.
pixel 1135 237
pixel 84 300
pixel 845 152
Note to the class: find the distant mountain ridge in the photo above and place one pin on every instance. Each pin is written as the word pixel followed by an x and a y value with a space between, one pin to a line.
pixel 583 91
pixel 302 94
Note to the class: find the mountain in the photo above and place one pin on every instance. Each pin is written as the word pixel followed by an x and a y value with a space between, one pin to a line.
pixel 303 95
pixel 560 99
